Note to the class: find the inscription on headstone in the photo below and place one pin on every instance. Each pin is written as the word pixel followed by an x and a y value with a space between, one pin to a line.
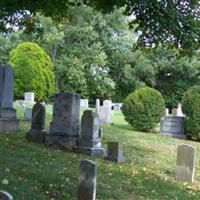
pixel 185 166
pixel 87 180
pixel 172 126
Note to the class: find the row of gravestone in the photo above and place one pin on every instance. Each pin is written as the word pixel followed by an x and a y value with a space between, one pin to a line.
pixel 185 169
pixel 65 131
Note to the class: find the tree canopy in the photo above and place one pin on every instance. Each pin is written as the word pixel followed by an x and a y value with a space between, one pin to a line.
pixel 175 21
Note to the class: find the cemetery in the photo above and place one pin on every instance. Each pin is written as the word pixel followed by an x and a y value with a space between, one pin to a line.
pixel 99 100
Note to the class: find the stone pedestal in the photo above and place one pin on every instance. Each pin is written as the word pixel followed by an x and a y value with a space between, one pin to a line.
pixel 64 128
pixel 9 125
pixel 90 141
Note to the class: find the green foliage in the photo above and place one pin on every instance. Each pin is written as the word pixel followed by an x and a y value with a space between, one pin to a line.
pixel 144 108
pixel 191 107
pixel 33 71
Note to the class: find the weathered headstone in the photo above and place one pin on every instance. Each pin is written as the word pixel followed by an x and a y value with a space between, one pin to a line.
pixel 36 134
pixel 64 128
pixel 186 160
pixel 115 152
pixel 166 111
pixel 8 120
pixel 107 103
pixel 90 141
pixel 28 114
pixel 172 126
pixel 174 112
pixel 105 114
pixel 29 97
pixel 87 180
pixel 5 196
pixel 84 103
pixel 97 108
pixel 179 111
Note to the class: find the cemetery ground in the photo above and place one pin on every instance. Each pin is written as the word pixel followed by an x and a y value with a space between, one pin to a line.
pixel 34 172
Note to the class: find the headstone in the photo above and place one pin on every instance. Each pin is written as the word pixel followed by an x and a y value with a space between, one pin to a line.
pixel 5 196
pixel 172 126
pixel 64 128
pixel 8 121
pixel 21 103
pixel 28 114
pixel 166 111
pixel 36 134
pixel 107 103
pixel 87 180
pixel 117 106
pixel 174 112
pixel 115 152
pixel 186 160
pixel 29 97
pixel 90 140
pixel 97 108
pixel 105 114
pixel 179 111
pixel 84 103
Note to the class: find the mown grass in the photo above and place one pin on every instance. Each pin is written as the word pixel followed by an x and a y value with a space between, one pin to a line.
pixel 33 172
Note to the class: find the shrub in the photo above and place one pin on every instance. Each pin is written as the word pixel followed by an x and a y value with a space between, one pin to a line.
pixel 33 71
pixel 144 108
pixel 191 107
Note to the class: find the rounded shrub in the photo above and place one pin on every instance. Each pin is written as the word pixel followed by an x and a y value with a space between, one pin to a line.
pixel 33 71
pixel 191 107
pixel 144 108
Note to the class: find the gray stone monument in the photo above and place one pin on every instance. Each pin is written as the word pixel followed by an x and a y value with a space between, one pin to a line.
pixel 97 107
pixel 36 134
pixel 90 141
pixel 87 180
pixel 28 114
pixel 186 160
pixel 5 196
pixel 173 126
pixel 8 120
pixel 115 152
pixel 65 126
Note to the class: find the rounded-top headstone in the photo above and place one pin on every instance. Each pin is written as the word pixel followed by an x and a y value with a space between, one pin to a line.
pixel 5 196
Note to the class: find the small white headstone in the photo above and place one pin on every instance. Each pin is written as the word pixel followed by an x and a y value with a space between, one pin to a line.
pixel 179 111
pixel 107 103
pixel 105 115
pixel 21 102
pixel 97 108
pixel 185 166
pixel 84 103
pixel 29 97
pixel 166 111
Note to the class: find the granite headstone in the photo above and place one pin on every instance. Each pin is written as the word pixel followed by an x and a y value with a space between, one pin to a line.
pixel 87 180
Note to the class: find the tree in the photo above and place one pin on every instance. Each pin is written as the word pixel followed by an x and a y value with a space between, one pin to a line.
pixel 158 21
pixel 33 71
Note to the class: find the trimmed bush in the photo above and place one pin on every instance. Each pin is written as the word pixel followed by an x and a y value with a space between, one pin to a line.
pixel 144 108
pixel 191 107
pixel 33 71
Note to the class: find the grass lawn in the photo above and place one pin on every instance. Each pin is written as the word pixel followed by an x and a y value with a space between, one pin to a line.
pixel 33 172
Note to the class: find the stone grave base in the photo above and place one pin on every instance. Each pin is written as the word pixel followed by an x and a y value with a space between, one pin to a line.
pixel 35 135
pixel 174 135
pixel 90 151
pixel 115 159
pixel 68 143
pixel 9 125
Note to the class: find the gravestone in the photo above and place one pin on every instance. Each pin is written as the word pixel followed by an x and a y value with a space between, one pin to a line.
pixel 90 140
pixel 29 98
pixel 174 112
pixel 166 111
pixel 107 103
pixel 5 196
pixel 105 114
pixel 186 160
pixel 97 108
pixel 117 106
pixel 87 180
pixel 28 114
pixel 173 126
pixel 179 111
pixel 115 152
pixel 84 103
pixel 64 128
pixel 36 134
pixel 21 102
pixel 8 120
